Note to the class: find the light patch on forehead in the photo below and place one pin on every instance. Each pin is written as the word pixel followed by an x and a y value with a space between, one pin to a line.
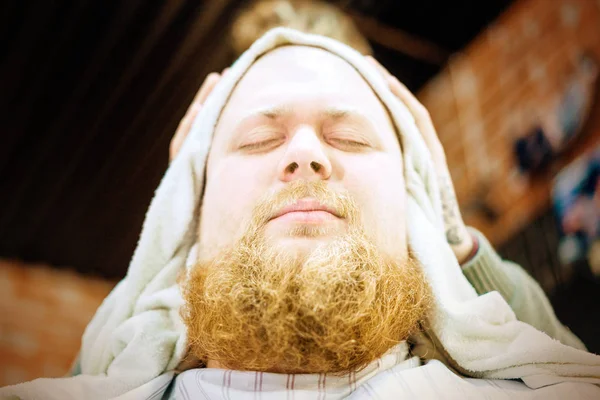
pixel 295 73
pixel 307 55
pixel 302 64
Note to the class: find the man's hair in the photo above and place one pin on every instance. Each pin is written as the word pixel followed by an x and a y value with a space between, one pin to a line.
pixel 314 17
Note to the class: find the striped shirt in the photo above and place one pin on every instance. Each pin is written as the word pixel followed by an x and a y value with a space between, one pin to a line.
pixel 396 375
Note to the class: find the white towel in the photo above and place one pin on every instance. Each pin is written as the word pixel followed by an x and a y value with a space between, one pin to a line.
pixel 137 333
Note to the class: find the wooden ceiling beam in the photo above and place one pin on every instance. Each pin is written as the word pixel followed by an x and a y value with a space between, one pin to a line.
pixel 400 41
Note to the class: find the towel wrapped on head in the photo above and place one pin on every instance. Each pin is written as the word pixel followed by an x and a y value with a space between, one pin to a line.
pixel 137 334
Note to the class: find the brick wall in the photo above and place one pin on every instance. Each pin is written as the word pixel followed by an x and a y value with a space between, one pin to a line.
pixel 494 91
pixel 43 312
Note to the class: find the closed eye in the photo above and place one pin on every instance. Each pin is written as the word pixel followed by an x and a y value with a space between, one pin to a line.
pixel 349 143
pixel 265 144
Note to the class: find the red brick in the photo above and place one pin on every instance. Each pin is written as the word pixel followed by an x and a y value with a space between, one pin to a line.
pixel 40 326
pixel 521 65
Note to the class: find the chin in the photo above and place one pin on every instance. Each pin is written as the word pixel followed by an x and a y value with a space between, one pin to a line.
pixel 303 239
pixel 306 232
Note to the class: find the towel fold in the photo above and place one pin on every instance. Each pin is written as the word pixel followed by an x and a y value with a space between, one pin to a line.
pixel 137 333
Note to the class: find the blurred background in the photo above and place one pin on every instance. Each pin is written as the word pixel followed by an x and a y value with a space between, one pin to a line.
pixel 92 92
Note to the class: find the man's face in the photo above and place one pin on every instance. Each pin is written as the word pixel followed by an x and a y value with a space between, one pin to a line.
pixel 303 114
pixel 327 285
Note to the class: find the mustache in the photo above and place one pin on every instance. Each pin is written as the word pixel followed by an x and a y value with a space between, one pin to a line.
pixel 339 201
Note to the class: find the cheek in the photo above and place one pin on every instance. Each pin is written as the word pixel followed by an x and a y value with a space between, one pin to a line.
pixel 378 186
pixel 377 182
pixel 233 188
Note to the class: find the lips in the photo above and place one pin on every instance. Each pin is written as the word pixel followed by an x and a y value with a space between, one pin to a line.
pixel 306 206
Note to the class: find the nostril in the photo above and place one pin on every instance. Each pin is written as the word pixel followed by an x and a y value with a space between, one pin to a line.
pixel 292 167
pixel 315 166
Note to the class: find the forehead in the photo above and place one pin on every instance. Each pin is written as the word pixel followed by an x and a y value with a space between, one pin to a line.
pixel 305 79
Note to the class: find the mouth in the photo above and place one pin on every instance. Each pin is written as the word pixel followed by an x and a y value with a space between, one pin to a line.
pixel 307 210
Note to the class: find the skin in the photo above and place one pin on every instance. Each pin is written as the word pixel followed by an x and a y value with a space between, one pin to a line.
pixel 302 113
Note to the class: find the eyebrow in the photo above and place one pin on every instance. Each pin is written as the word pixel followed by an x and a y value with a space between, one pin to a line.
pixel 334 113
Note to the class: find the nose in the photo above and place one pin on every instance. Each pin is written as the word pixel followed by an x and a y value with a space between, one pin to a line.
pixel 304 158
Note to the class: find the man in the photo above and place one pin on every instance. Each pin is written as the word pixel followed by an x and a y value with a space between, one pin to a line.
pixel 482 267
pixel 280 288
